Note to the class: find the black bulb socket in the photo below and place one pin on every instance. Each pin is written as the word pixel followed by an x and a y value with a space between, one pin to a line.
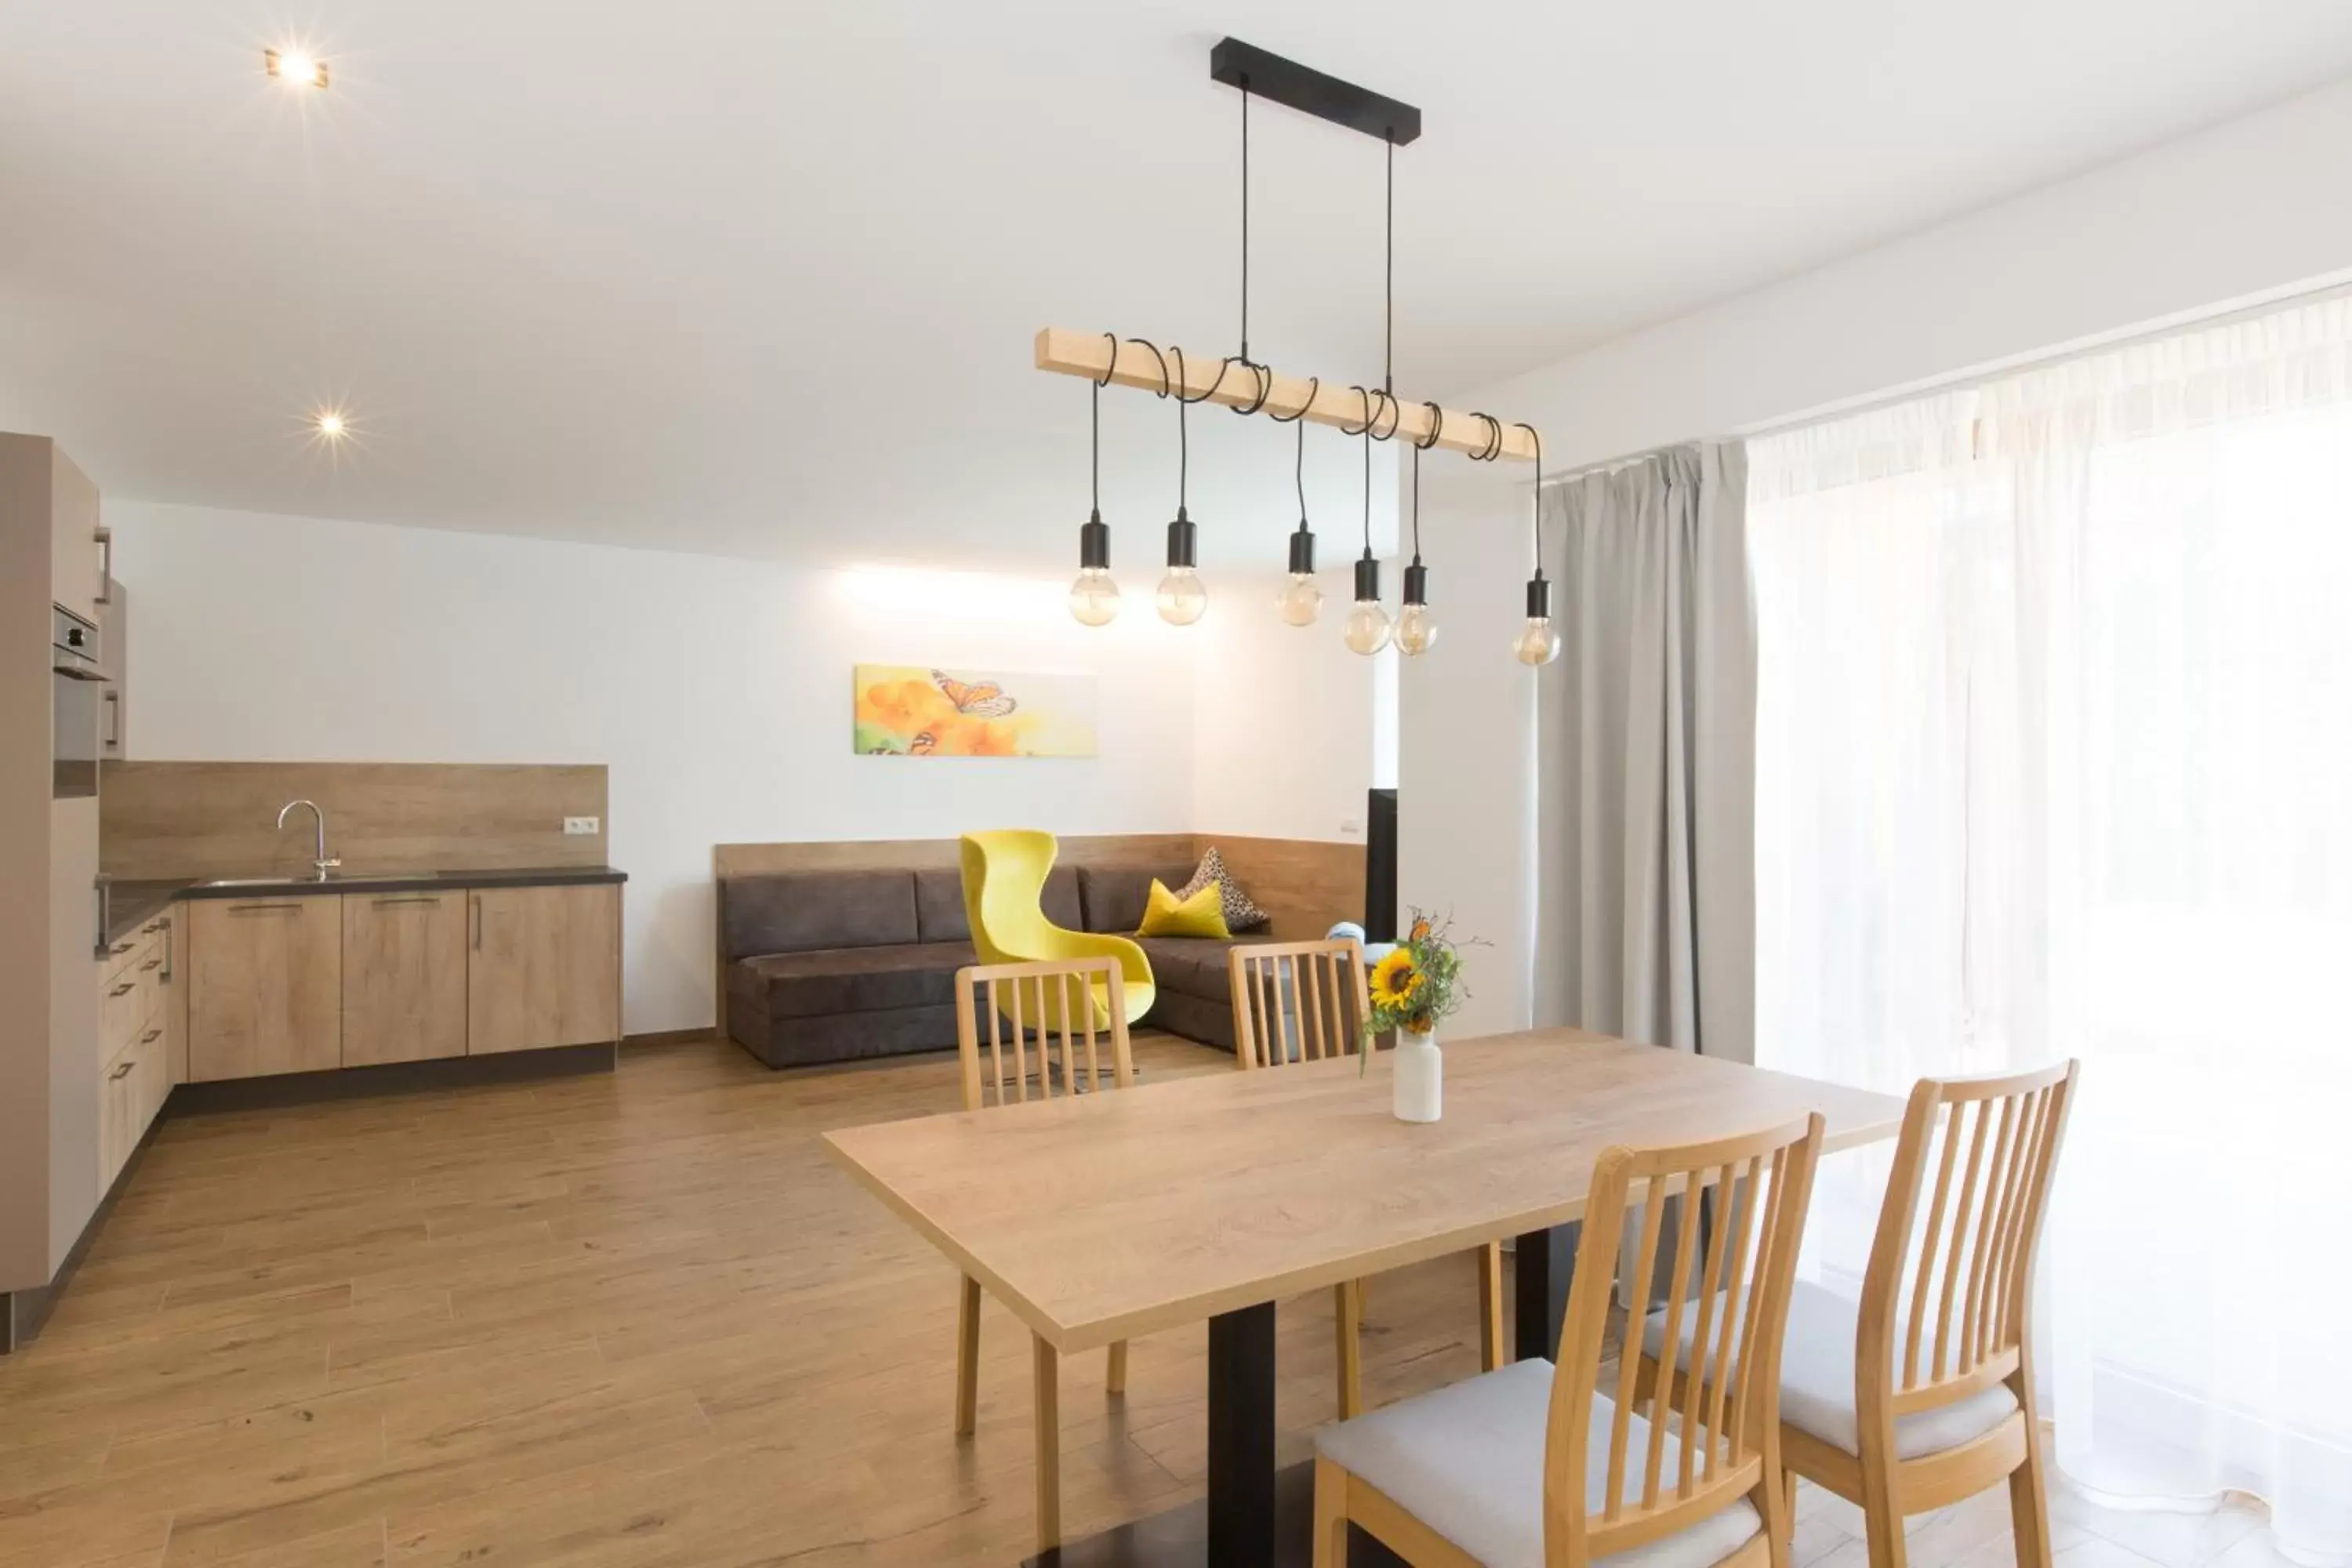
pixel 1539 598
pixel 1094 544
pixel 1416 583
pixel 1183 541
pixel 1368 579
pixel 1302 550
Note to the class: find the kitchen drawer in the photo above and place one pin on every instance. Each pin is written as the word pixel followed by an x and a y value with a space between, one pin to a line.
pixel 134 948
pixel 131 1000
pixel 130 1092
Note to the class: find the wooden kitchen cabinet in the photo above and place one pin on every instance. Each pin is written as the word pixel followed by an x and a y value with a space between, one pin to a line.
pixel 80 550
pixel 403 977
pixel 265 986
pixel 544 967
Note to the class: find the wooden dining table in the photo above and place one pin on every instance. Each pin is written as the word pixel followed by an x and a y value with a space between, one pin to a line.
pixel 1109 1216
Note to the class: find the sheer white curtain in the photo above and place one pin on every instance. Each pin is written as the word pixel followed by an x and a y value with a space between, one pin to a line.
pixel 2055 758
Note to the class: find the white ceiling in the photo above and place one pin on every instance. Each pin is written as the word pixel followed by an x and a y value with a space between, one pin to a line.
pixel 760 279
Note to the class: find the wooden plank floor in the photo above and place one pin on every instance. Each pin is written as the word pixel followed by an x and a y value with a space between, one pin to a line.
pixel 633 1320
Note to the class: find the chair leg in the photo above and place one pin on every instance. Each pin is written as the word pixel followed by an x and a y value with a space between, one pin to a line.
pixel 1348 1299
pixel 1490 1307
pixel 2029 1485
pixel 1115 1377
pixel 967 1411
pixel 1048 1418
pixel 1330 1515
pixel 1776 1500
pixel 1882 1514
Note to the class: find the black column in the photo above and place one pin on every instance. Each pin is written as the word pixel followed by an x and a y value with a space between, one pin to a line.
pixel 1542 1267
pixel 1241 1437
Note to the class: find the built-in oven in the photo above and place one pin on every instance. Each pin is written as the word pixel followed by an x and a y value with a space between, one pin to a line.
pixel 78 691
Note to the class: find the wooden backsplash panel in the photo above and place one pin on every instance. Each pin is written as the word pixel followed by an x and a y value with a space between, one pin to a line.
pixel 219 819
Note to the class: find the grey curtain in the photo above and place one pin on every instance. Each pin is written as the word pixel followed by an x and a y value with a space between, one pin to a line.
pixel 1645 757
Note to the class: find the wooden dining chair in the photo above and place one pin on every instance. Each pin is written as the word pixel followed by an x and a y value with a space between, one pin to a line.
pixel 1534 1464
pixel 1030 1009
pixel 1922 1394
pixel 1303 1002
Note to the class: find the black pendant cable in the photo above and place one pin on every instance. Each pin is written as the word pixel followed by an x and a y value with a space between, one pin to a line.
pixel 1368 629
pixel 1182 597
pixel 1537 643
pixel 1301 600
pixel 1094 597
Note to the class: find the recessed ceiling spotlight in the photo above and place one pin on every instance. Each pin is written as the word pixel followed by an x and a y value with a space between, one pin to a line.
pixel 331 425
pixel 295 67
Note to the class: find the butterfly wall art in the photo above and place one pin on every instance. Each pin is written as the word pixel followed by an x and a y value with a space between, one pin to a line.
pixel 918 711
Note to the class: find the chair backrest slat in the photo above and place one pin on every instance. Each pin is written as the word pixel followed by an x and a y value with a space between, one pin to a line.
pixel 1078 999
pixel 1968 1259
pixel 1739 1211
pixel 1296 1001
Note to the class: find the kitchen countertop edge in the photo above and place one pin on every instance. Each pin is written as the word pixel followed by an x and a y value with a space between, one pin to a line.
pixel 135 902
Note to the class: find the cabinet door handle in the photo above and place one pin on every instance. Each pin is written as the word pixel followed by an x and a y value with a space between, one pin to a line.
pixel 122 1072
pixel 124 989
pixel 119 947
pixel 150 963
pixel 476 899
pixel 150 1036
pixel 171 950
pixel 263 909
pixel 105 538
pixel 407 898
pixel 113 699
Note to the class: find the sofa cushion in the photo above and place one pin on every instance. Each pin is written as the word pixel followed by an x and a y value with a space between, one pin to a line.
pixel 1203 914
pixel 1240 914
pixel 938 907
pixel 1114 899
pixel 857 979
pixel 806 911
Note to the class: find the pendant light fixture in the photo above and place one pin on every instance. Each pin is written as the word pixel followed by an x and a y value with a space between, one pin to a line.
pixel 1094 597
pixel 1538 642
pixel 1367 630
pixel 1416 628
pixel 1106 358
pixel 1301 600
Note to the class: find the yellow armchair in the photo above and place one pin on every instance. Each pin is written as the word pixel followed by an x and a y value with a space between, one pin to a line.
pixel 1003 899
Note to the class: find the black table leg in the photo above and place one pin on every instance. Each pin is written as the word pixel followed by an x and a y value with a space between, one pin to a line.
pixel 1542 1267
pixel 1241 1438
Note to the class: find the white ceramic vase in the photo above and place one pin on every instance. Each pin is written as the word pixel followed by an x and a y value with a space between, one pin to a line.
pixel 1420 1080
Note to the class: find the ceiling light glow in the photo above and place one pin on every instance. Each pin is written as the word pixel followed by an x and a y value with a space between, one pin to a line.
pixel 331 425
pixel 295 67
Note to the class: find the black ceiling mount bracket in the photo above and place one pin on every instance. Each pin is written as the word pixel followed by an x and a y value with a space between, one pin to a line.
pixel 1309 92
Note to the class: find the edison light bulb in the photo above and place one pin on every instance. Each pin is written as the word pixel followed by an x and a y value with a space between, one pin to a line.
pixel 1300 600
pixel 1416 630
pixel 1368 627
pixel 1183 597
pixel 1094 597
pixel 1537 642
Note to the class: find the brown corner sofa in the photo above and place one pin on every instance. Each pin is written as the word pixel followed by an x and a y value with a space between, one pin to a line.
pixel 828 966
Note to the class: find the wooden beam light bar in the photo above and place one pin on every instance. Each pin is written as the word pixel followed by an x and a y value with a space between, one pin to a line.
pixel 1132 364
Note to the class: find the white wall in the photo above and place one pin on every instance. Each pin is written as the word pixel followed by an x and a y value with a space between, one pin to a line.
pixel 717 691
pixel 1261 690
pixel 2231 216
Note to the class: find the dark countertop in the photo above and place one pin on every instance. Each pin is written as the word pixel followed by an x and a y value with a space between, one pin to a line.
pixel 132 904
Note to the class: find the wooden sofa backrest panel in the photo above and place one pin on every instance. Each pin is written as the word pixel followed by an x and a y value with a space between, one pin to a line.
pixel 1305 885
pixel 1144 849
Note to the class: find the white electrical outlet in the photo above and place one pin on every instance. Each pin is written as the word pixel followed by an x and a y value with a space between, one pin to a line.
pixel 576 827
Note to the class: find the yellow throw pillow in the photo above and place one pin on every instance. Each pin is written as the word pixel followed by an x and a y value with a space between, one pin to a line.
pixel 1203 914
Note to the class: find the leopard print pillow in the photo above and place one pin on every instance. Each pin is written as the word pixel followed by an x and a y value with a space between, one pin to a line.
pixel 1240 913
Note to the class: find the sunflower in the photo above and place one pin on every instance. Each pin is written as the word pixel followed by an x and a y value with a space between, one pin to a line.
pixel 1395 979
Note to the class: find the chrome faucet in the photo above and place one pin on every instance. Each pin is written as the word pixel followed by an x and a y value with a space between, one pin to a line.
pixel 324 863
